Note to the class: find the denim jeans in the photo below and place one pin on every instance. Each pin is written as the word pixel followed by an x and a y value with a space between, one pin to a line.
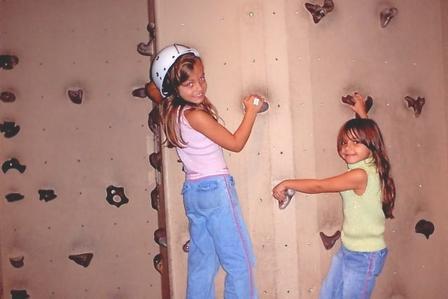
pixel 218 237
pixel 352 274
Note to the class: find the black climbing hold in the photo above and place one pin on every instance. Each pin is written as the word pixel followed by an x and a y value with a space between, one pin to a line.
pixel 19 294
pixel 11 197
pixel 47 194
pixel 9 129
pixel 13 163
pixel 113 192
pixel 8 62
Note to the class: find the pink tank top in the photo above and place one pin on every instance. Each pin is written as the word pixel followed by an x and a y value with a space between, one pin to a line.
pixel 200 157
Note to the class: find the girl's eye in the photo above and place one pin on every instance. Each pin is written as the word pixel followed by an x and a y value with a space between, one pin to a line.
pixel 202 78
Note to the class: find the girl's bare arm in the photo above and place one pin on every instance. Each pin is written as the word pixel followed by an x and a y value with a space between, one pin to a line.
pixel 355 179
pixel 207 125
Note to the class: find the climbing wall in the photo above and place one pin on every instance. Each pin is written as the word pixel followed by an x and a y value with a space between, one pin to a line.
pixel 306 60
pixel 76 215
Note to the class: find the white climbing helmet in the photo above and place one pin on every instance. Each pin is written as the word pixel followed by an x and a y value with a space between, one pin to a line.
pixel 164 60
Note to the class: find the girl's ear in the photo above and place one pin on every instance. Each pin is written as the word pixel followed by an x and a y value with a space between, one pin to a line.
pixel 153 92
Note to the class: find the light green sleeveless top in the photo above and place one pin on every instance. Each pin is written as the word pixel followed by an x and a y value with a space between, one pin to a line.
pixel 364 220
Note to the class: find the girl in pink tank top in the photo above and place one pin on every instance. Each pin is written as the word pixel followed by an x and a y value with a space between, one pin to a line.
pixel 218 234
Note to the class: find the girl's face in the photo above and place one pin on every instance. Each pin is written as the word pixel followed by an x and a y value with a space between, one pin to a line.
pixel 352 151
pixel 193 89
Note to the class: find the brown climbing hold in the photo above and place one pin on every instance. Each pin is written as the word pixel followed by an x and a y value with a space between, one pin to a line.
pixel 424 227
pixel 318 12
pixel 158 263
pixel 7 97
pixel 17 261
pixel 154 120
pixel 160 237
pixel 155 198
pixel 329 241
pixel 155 159
pixel 415 104
pixel 75 95
pixel 82 259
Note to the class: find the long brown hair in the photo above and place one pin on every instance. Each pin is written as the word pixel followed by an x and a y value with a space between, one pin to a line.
pixel 174 104
pixel 367 132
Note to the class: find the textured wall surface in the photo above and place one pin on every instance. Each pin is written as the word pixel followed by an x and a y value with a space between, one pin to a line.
pixel 77 150
pixel 274 47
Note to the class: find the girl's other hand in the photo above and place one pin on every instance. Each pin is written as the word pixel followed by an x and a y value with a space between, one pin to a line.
pixel 359 106
pixel 279 191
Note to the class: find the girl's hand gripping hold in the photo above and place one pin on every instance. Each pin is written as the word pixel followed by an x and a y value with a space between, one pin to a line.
pixel 283 195
pixel 359 106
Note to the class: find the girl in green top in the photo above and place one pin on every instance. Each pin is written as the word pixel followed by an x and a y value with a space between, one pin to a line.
pixel 368 193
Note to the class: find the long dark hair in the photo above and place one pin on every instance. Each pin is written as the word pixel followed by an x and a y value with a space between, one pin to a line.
pixel 367 132
pixel 173 104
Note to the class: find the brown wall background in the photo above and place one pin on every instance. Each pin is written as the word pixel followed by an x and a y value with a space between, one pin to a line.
pixel 77 150
pixel 265 46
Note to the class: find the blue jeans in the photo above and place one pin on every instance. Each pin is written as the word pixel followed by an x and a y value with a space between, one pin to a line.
pixel 352 274
pixel 218 236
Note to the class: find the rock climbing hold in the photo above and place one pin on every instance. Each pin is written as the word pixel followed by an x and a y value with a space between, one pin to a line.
pixel 8 62
pixel 47 194
pixel 415 104
pixel 386 15
pixel 329 241
pixel 160 237
pixel 82 259
pixel 13 163
pixel 424 227
pixel 75 95
pixel 7 97
pixel 155 197
pixel 17 261
pixel 114 192
pixel 19 294
pixel 318 12
pixel 158 263
pixel 155 159
pixel 9 129
pixel 186 246
pixel 154 120
pixel 147 48
pixel 12 197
